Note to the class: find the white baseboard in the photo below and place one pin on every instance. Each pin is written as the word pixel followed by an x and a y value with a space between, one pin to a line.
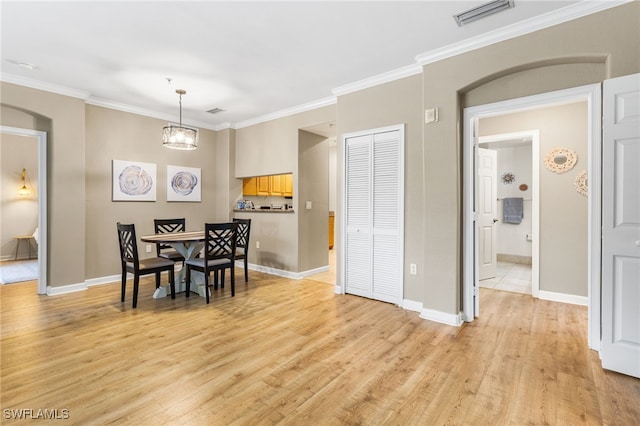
pixel 64 289
pixel 105 280
pixel 412 305
pixel 563 298
pixel 283 273
pixel 314 271
pixel 441 317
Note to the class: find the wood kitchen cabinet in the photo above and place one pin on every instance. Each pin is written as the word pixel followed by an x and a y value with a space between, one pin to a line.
pixel 288 185
pixel 274 185
pixel 250 186
pixel 264 185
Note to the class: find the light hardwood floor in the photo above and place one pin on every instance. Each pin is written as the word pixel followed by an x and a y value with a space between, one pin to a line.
pixel 292 352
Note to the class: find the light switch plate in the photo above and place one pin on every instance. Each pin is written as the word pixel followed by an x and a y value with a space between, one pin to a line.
pixel 308 205
pixel 430 115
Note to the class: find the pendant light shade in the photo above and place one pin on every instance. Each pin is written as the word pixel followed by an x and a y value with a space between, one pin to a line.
pixel 179 137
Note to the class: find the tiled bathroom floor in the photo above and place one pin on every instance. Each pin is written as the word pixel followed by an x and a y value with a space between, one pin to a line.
pixel 513 277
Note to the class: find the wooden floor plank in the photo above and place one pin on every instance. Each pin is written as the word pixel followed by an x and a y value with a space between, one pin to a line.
pixel 292 352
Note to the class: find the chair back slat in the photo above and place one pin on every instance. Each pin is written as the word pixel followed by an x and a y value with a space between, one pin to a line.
pixel 220 240
pixel 128 244
pixel 244 228
pixel 165 226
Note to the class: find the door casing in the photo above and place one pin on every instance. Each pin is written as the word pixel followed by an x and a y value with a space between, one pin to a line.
pixel 41 138
pixel 592 95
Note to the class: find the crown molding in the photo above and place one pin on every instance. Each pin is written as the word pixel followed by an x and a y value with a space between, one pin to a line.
pixel 286 112
pixel 568 13
pixel 41 85
pixel 379 79
pixel 101 102
pixel 550 19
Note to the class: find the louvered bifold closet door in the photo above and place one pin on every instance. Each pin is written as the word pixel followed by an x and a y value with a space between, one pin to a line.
pixel 358 216
pixel 386 216
pixel 373 243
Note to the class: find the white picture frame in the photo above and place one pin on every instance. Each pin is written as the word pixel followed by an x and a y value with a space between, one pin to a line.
pixel 134 181
pixel 184 184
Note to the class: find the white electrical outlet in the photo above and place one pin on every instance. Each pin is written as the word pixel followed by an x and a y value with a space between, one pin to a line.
pixel 148 248
pixel 257 244
pixel 413 268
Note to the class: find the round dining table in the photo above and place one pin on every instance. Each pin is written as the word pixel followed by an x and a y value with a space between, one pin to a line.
pixel 188 244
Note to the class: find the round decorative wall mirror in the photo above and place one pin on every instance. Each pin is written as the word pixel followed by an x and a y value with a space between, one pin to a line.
pixel 582 183
pixel 560 160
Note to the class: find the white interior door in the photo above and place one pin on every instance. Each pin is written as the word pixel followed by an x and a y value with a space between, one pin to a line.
pixel 620 348
pixel 387 213
pixel 358 216
pixel 374 229
pixel 487 206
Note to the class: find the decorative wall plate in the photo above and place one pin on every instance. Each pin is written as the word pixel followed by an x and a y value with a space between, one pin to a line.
pixel 560 160
pixel 582 183
pixel 508 178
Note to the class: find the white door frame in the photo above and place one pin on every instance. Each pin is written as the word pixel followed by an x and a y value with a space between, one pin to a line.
pixel 534 136
pixel 592 95
pixel 341 281
pixel 41 138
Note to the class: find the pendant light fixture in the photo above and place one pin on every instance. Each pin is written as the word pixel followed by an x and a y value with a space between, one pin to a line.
pixel 180 137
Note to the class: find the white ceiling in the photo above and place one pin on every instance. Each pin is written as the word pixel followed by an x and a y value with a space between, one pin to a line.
pixel 251 59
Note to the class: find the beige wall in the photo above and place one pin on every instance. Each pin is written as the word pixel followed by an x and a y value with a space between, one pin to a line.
pixel 399 102
pixel 563 211
pixel 273 148
pixel 63 119
pixel 116 135
pixel 313 185
pixel 610 37
pixel 585 50
pixel 227 186
pixel 18 213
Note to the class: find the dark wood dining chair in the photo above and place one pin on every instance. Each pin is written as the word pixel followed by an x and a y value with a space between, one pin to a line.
pixel 163 226
pixel 131 263
pixel 219 255
pixel 242 244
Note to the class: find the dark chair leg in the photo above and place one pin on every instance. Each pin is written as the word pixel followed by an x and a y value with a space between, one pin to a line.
pixel 215 279
pixel 157 279
pixel 246 270
pixel 233 280
pixel 136 282
pixel 206 285
pixel 172 283
pixel 222 278
pixel 187 281
pixel 124 285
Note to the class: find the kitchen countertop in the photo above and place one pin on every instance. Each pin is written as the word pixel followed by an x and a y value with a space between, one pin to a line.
pixel 279 211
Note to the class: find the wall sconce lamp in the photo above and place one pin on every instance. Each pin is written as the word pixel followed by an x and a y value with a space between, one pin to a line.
pixel 24 190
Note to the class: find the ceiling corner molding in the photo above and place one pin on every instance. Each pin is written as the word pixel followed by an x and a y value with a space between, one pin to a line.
pixel 286 112
pixel 105 103
pixel 41 85
pixel 559 16
pixel 223 126
pixel 377 80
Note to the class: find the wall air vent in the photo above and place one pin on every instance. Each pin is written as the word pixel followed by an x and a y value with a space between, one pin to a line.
pixel 215 110
pixel 482 11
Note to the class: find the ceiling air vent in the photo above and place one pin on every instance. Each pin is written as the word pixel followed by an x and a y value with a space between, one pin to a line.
pixel 215 110
pixel 482 11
